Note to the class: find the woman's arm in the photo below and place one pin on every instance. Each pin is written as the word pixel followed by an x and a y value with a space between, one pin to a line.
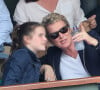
pixel 49 74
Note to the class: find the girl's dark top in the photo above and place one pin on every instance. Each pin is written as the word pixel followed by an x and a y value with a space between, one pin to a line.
pixel 22 67
pixel 31 1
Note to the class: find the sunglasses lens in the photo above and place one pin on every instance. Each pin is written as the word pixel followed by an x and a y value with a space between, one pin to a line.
pixel 56 34
pixel 64 30
pixel 53 35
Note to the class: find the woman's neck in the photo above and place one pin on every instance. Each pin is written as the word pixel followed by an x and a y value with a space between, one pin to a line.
pixel 71 51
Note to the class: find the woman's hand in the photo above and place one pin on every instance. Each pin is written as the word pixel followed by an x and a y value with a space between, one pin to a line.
pixel 48 72
pixel 83 35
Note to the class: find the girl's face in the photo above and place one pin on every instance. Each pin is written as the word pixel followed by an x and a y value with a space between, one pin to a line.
pixel 37 40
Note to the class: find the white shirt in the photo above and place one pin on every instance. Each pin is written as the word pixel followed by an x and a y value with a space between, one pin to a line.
pixel 34 12
pixel 71 68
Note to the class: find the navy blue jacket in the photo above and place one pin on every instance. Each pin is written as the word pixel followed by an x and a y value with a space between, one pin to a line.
pixel 22 67
pixel 90 58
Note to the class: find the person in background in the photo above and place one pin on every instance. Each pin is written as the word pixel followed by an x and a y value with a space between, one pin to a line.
pixel 67 62
pixel 6 28
pixel 96 11
pixel 23 66
pixel 88 5
pixel 35 10
pixel 92 7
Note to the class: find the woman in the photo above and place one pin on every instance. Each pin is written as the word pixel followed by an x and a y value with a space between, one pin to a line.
pixel 23 65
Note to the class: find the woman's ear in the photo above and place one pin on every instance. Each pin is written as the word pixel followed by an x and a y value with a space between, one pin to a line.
pixel 70 30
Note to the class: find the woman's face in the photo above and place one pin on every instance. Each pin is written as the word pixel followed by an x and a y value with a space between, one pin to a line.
pixel 64 40
pixel 38 40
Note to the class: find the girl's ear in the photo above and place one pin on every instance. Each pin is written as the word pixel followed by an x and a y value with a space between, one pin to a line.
pixel 26 39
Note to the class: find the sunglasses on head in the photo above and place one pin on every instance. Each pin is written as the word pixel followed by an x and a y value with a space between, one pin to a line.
pixel 56 34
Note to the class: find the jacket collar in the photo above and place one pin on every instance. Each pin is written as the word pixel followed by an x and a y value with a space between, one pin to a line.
pixel 33 56
pixel 81 54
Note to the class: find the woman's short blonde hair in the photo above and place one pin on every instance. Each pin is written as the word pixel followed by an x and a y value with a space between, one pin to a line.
pixel 52 18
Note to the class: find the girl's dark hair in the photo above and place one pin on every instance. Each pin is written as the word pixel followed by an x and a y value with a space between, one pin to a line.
pixel 20 31
pixel 31 1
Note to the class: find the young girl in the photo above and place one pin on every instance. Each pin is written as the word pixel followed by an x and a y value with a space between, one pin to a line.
pixel 23 66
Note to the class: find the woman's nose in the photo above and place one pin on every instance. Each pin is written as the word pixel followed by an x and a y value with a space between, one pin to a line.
pixel 60 35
